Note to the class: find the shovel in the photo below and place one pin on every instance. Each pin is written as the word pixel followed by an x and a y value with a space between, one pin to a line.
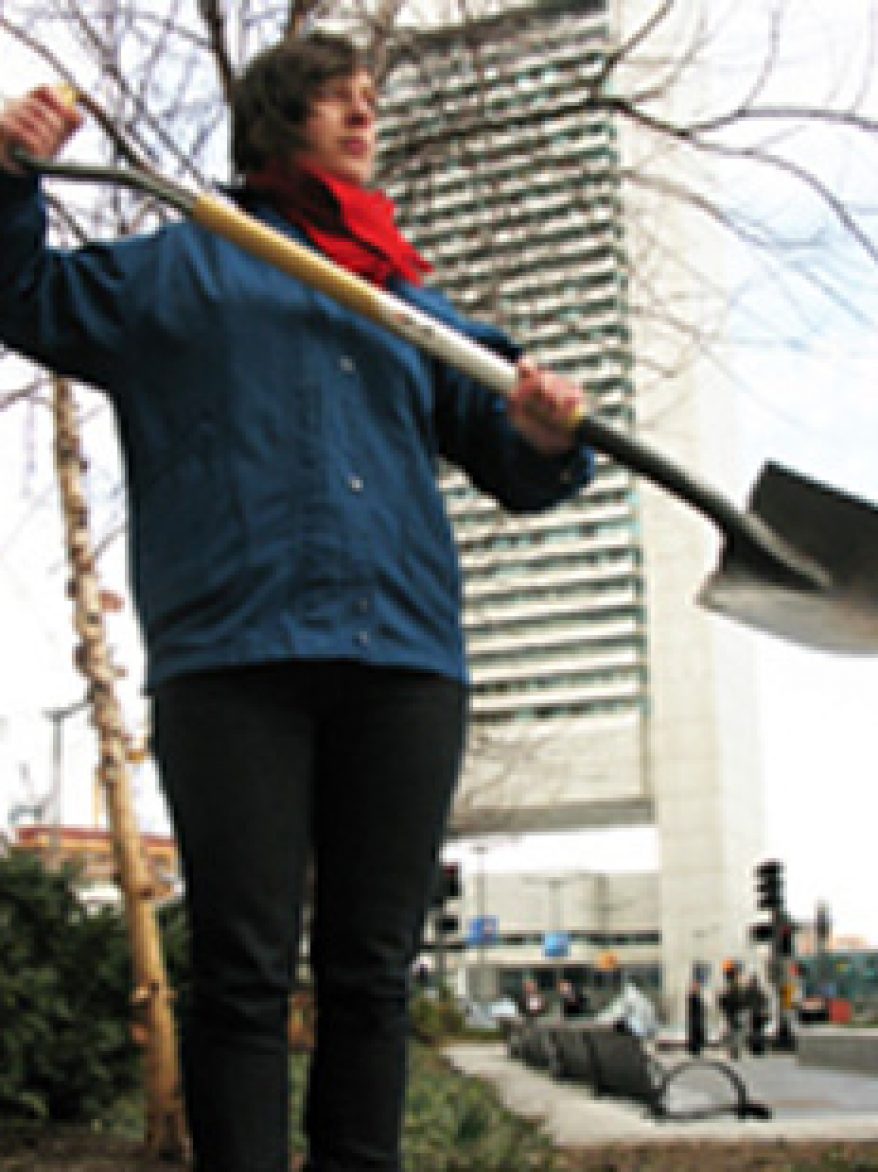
pixel 801 562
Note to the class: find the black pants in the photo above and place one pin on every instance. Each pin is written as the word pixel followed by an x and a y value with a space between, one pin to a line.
pixel 261 766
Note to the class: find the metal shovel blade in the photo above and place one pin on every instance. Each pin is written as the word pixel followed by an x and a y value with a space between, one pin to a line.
pixel 835 611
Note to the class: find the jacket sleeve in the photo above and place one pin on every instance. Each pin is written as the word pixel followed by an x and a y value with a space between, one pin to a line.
pixel 474 432
pixel 64 309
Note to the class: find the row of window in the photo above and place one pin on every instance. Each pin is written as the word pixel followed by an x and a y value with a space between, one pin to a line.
pixel 469 189
pixel 496 602
pixel 491 177
pixel 502 576
pixel 587 978
pixel 490 596
pixel 527 622
pixel 579 936
pixel 617 676
pixel 527 711
pixel 583 637
pixel 546 599
pixel 546 55
pixel 568 34
pixel 557 260
pixel 584 633
pixel 609 523
pixel 566 523
pixel 609 480
pixel 481 249
pixel 491 125
pixel 468 183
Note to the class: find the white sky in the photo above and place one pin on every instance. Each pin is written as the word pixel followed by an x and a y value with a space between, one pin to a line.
pixel 812 406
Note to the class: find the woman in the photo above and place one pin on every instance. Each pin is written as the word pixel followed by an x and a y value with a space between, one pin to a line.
pixel 296 582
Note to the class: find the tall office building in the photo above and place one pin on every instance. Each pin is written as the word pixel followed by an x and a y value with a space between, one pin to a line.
pixel 601 697
pixel 509 183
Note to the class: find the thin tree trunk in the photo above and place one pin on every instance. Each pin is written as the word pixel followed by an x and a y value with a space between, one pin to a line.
pixel 153 1024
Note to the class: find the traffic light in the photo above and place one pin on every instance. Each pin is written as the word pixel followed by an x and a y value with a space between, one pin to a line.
pixel 447 925
pixel 762 933
pixel 787 938
pixel 822 925
pixel 446 888
pixel 447 885
pixel 769 886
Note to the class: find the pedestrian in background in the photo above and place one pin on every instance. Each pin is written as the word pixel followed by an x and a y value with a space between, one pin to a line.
pixel 696 1018
pixel 757 1009
pixel 572 1001
pixel 533 1003
pixel 731 1004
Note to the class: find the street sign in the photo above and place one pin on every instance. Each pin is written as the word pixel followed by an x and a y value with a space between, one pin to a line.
pixel 556 945
pixel 483 930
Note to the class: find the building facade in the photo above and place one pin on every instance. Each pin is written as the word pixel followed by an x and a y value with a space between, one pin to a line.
pixel 596 930
pixel 91 850
pixel 601 696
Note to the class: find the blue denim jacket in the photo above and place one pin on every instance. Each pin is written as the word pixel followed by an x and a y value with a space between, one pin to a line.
pixel 279 451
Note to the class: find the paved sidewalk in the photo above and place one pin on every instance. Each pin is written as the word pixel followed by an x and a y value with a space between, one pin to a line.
pixel 807 1103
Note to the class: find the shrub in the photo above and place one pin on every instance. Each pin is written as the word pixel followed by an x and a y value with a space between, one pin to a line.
pixel 65 1045
pixel 435 1018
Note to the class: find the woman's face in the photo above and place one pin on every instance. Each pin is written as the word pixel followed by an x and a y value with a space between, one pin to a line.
pixel 339 134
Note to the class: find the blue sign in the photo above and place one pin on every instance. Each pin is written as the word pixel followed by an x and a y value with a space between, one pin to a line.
pixel 483 930
pixel 556 945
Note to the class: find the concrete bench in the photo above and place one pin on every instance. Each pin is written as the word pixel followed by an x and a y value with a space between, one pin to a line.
pixel 612 1061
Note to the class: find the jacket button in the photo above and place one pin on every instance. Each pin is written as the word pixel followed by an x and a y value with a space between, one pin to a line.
pixel 347 364
pixel 355 484
pixel 363 638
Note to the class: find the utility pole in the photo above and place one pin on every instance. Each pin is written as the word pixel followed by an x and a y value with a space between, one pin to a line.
pixel 446 923
pixel 57 716
pixel 822 936
pixel 481 914
pixel 554 885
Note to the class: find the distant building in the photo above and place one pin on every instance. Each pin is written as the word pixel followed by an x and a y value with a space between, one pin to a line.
pixel 602 696
pixel 91 850
pixel 842 974
pixel 594 929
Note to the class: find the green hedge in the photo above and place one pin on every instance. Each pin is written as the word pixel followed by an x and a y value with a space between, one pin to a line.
pixel 435 1018
pixel 65 1045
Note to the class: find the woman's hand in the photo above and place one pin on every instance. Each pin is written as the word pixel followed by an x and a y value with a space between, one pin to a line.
pixel 40 123
pixel 545 407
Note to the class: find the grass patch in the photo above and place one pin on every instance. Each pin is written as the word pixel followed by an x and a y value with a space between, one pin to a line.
pixel 452 1123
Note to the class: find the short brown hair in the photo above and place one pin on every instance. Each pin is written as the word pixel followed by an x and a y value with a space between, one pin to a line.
pixel 272 97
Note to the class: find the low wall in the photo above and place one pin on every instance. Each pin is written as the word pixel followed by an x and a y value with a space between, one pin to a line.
pixel 853 1050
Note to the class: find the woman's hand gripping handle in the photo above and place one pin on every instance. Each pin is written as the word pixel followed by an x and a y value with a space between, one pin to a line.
pixel 39 123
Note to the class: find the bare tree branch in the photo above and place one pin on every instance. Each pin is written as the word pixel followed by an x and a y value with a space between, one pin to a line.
pixel 629 47
pixel 214 21
pixel 300 13
pixel 692 136
pixel 21 394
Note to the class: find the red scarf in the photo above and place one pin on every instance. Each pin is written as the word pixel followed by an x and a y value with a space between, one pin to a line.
pixel 354 227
